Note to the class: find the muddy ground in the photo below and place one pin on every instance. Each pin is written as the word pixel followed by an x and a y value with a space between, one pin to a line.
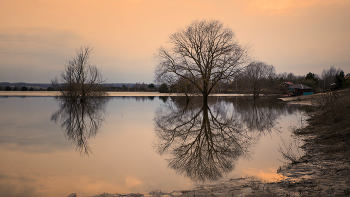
pixel 324 170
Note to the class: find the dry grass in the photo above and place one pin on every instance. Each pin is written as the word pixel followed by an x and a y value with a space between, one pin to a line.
pixel 332 125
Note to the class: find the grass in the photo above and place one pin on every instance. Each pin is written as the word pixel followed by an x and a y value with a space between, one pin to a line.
pixel 332 124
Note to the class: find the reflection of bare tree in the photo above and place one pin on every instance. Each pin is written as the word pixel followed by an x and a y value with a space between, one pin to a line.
pixel 260 115
pixel 81 120
pixel 204 142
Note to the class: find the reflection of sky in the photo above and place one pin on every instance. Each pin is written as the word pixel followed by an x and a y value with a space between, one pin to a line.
pixel 37 159
pixel 25 125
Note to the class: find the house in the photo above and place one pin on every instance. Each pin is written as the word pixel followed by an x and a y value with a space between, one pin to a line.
pixel 287 85
pixel 300 89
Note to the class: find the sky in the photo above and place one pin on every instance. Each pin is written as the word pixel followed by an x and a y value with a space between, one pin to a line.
pixel 38 37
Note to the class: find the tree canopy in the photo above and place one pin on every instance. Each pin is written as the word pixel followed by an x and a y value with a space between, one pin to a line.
pixel 311 76
pixel 151 85
pixel 203 53
pixel 8 88
pixel 163 88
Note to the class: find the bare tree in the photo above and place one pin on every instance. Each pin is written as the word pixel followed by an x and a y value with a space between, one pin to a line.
pixel 329 76
pixel 257 74
pixel 80 80
pixel 288 77
pixel 203 53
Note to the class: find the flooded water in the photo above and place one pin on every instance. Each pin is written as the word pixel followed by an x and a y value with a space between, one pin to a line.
pixel 51 147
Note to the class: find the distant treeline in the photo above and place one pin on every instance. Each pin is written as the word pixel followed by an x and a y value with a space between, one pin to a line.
pixel 262 79
pixel 133 87
pixel 244 83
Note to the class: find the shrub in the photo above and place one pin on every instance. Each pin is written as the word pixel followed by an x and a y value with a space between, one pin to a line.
pixel 8 88
pixel 163 88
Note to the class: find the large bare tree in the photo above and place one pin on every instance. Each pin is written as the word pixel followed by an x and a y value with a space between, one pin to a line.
pixel 203 53
pixel 80 80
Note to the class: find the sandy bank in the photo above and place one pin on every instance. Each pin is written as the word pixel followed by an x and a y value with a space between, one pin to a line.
pixel 313 99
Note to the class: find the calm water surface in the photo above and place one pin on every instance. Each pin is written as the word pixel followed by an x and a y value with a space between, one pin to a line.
pixel 52 147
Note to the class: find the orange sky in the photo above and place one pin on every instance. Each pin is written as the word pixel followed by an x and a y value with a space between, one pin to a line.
pixel 37 37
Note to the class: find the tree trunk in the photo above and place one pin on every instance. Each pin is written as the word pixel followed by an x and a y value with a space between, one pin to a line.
pixel 205 98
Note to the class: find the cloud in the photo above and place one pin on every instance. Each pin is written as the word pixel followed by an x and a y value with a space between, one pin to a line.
pixel 27 52
pixel 132 182
pixel 37 38
pixel 35 46
pixel 284 6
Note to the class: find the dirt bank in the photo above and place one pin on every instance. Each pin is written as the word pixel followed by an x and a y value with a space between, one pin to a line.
pixel 313 99
pixel 324 170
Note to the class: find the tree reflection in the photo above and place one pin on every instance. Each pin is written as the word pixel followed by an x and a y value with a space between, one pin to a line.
pixel 260 115
pixel 81 120
pixel 204 141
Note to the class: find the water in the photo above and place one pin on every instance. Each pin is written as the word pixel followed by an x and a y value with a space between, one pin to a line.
pixel 137 144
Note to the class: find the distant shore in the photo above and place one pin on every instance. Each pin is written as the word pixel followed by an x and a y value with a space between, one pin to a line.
pixel 110 94
pixel 301 100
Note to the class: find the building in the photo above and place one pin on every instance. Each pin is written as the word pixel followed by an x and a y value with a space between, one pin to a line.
pixel 300 89
pixel 287 85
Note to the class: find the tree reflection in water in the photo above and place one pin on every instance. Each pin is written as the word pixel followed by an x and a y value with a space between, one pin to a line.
pixel 80 120
pixel 260 115
pixel 204 140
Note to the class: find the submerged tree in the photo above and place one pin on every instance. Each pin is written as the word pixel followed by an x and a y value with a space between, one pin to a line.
pixel 204 53
pixel 80 80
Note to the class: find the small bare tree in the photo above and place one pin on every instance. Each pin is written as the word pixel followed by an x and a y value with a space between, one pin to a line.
pixel 80 80
pixel 329 76
pixel 204 53
pixel 256 74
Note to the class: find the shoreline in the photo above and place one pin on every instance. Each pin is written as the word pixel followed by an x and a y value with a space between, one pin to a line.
pixel 109 94
pixel 313 99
